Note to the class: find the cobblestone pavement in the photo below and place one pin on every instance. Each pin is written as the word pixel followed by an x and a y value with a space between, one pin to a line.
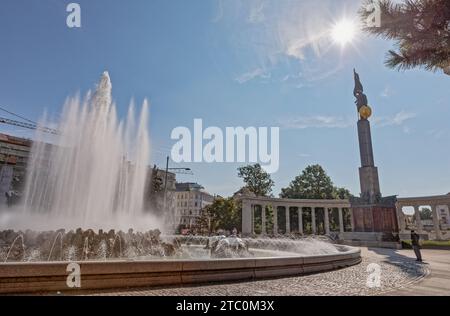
pixel 398 270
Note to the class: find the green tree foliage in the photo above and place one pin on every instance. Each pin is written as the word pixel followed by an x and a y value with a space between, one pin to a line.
pixel 421 30
pixel 341 193
pixel 313 183
pixel 224 213
pixel 426 214
pixel 256 179
pixel 202 224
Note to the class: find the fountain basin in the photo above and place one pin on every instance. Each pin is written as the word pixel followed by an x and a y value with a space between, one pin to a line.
pixel 47 277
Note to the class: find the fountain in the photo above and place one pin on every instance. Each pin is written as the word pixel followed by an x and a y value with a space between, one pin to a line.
pixel 94 176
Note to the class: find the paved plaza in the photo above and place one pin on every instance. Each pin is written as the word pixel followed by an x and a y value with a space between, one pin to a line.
pixel 400 275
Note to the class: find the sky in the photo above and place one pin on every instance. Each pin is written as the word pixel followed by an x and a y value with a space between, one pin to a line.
pixel 260 63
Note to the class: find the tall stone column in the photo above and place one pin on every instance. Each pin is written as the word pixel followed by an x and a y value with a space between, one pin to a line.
pixel 300 220
pixel 418 220
pixel 372 212
pixel 263 219
pixel 288 220
pixel 247 218
pixel 341 220
pixel 313 220
pixel 436 218
pixel 327 221
pixel 275 220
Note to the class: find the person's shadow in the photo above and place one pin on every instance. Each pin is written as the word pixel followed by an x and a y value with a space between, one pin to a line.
pixel 404 263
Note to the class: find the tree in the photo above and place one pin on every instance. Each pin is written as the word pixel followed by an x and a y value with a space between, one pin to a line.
pixel 224 213
pixel 426 214
pixel 421 29
pixel 256 179
pixel 341 193
pixel 313 183
pixel 203 222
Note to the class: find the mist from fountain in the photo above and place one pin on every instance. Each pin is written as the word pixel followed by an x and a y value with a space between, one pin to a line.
pixel 93 175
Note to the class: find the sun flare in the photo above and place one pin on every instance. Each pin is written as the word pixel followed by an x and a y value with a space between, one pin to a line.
pixel 343 32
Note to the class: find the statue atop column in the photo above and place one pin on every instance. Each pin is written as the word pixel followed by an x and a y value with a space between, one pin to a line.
pixel 362 105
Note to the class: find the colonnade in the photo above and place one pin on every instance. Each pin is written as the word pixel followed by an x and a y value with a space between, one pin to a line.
pixel 251 204
pixel 435 202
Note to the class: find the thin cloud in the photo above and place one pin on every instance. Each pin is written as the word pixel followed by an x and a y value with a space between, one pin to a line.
pixel 437 133
pixel 396 120
pixel 254 74
pixel 317 121
pixel 321 121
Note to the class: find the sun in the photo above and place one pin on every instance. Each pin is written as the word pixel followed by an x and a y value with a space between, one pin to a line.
pixel 343 32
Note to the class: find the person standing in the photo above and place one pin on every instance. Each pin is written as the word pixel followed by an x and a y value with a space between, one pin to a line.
pixel 415 238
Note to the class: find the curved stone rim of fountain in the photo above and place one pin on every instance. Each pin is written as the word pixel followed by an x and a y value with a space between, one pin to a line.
pixel 47 277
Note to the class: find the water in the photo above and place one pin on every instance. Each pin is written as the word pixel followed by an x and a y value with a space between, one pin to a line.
pixel 60 236
pixel 12 247
pixel 94 175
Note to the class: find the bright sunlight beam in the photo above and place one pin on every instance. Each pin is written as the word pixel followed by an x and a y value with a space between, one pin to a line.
pixel 343 32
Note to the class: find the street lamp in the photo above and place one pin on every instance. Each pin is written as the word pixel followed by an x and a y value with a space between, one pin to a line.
pixel 165 179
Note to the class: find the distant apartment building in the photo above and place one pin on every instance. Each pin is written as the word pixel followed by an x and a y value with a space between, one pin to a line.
pixel 190 199
pixel 14 153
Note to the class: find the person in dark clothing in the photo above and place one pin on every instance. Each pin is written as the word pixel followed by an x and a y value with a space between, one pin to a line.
pixel 415 238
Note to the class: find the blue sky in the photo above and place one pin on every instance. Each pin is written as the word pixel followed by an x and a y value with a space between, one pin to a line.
pixel 234 63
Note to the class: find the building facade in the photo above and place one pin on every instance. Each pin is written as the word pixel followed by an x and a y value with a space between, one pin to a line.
pixel 190 199
pixel 14 153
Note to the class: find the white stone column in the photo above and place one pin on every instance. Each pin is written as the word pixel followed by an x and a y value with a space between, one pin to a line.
pixel 247 226
pixel 418 220
pixel 275 220
pixel 263 219
pixel 436 220
pixel 288 220
pixel 313 220
pixel 326 220
pixel 300 220
pixel 341 220
pixel 253 218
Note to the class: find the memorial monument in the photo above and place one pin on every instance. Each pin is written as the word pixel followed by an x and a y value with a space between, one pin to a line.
pixel 371 211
